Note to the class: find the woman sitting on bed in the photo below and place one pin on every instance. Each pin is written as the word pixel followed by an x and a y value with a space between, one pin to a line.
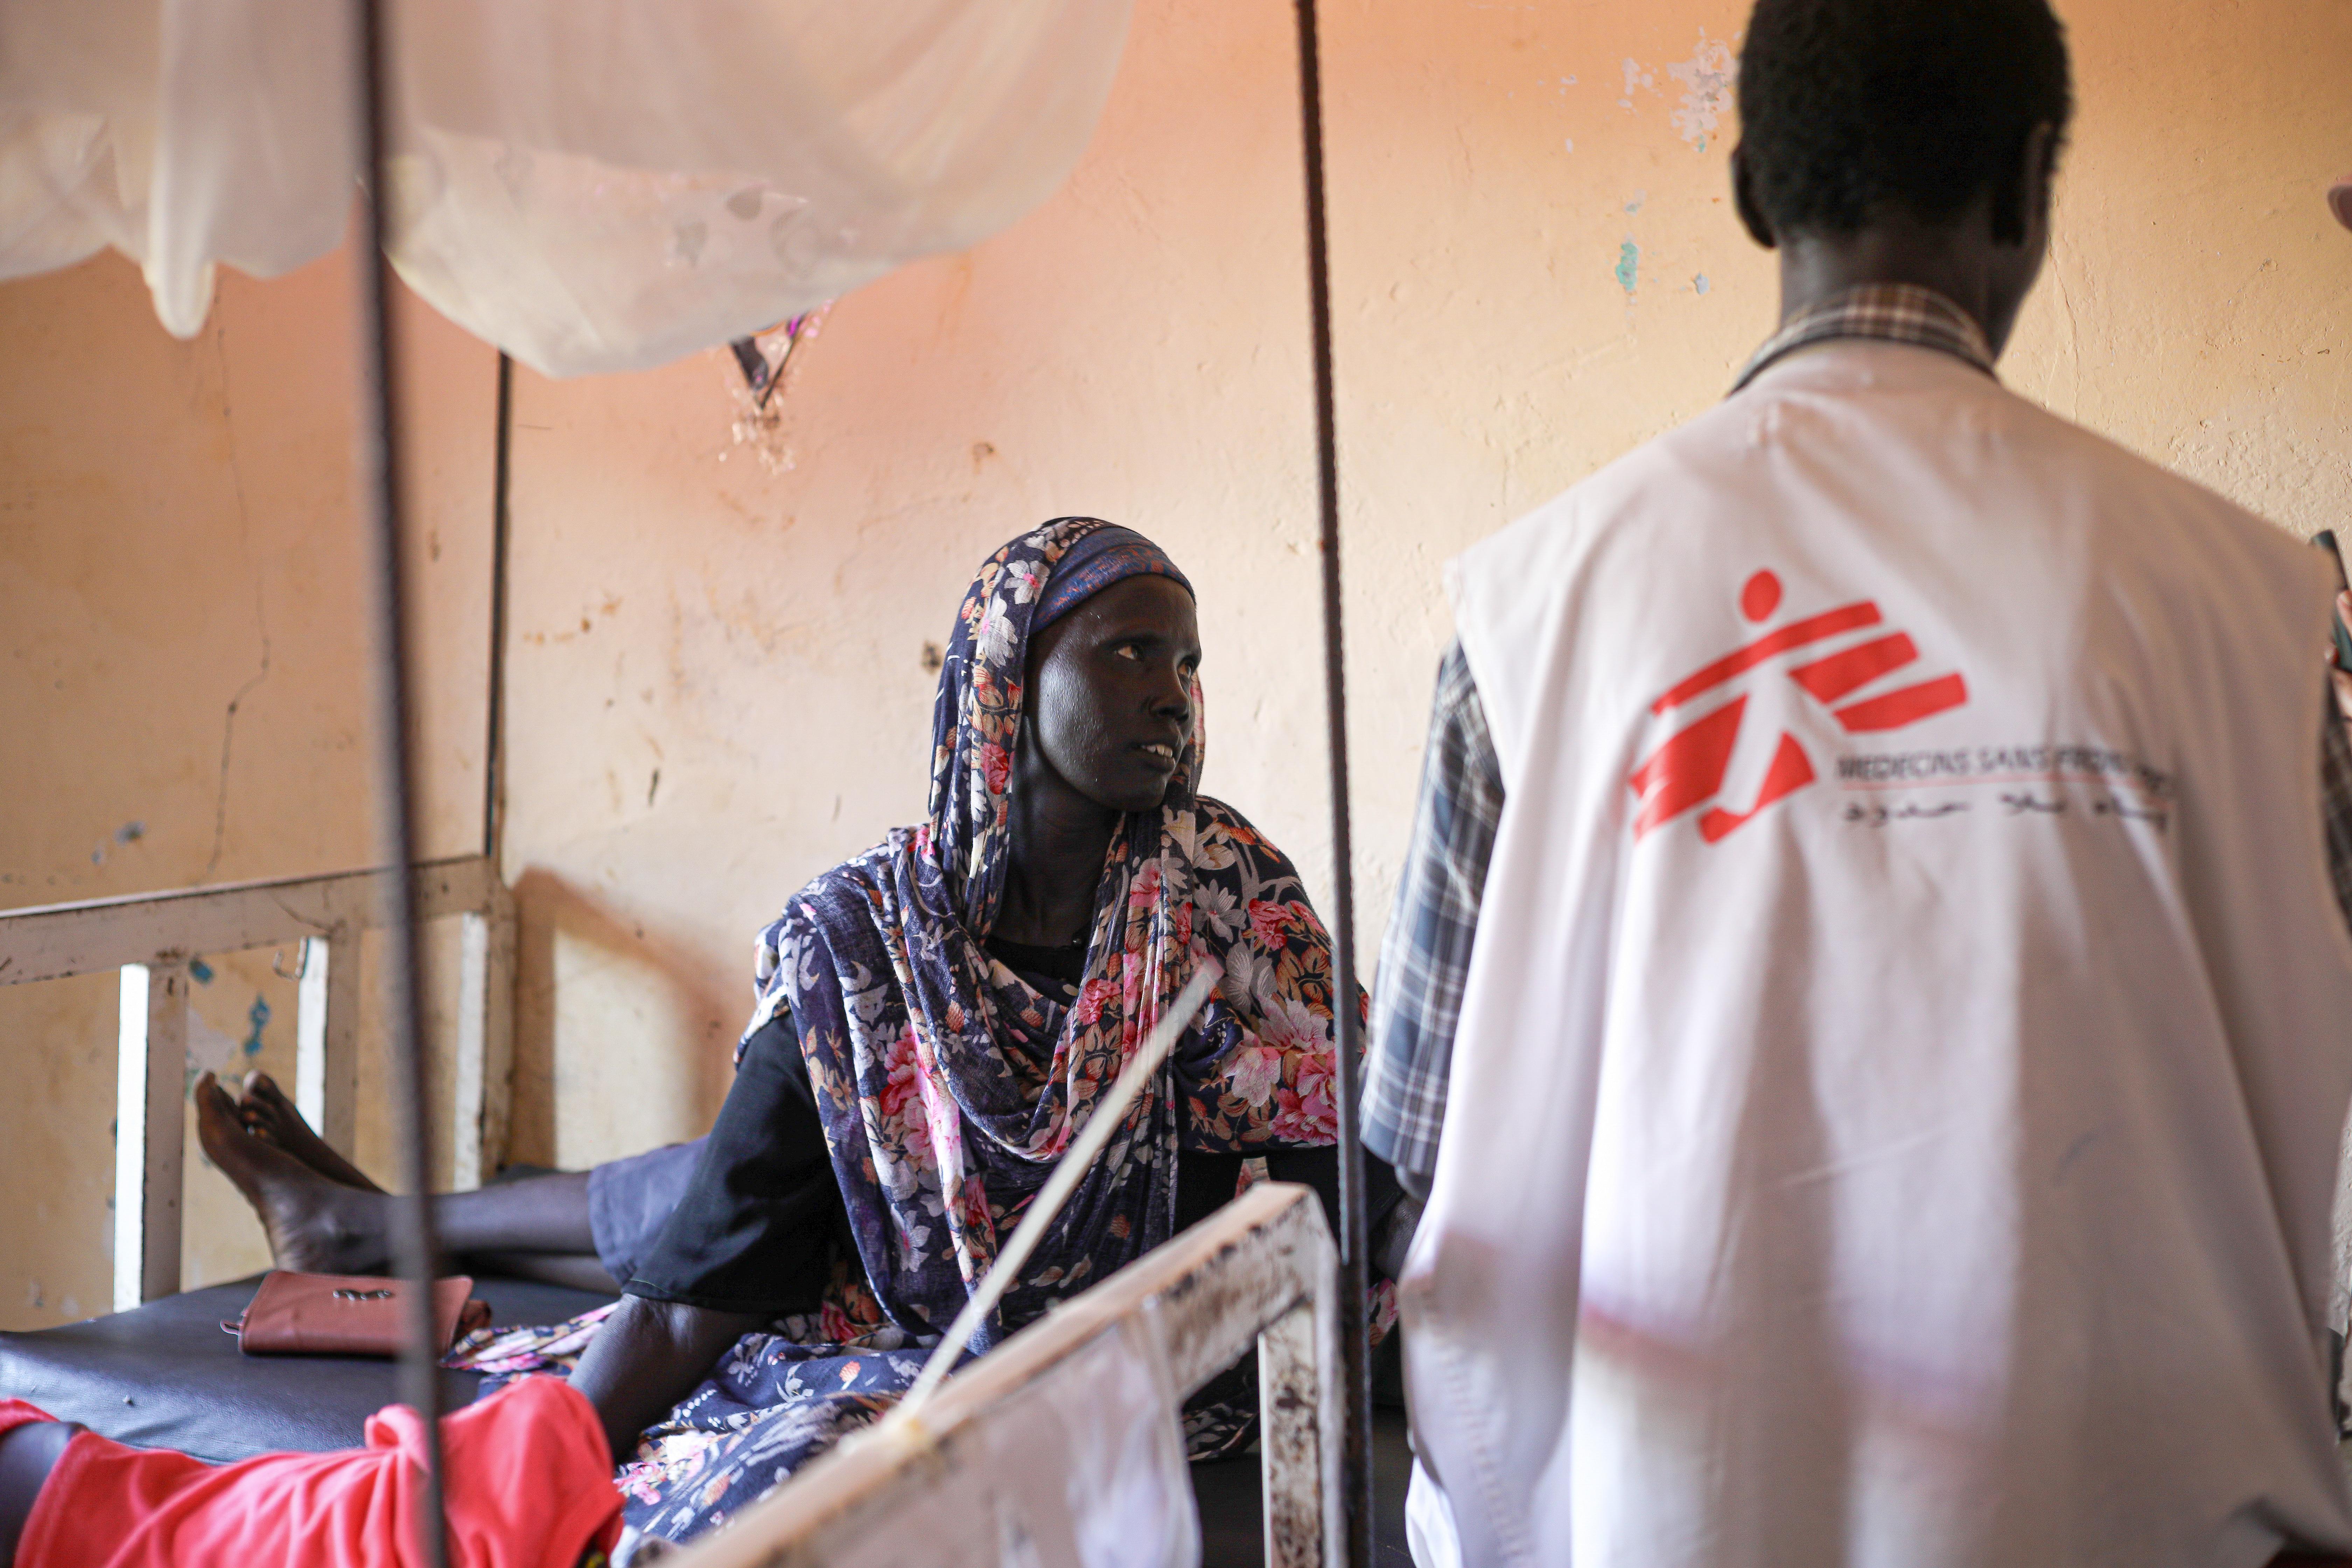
pixel 936 1017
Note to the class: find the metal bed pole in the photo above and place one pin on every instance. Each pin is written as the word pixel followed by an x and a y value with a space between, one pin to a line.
pixel 383 505
pixel 494 743
pixel 1354 1241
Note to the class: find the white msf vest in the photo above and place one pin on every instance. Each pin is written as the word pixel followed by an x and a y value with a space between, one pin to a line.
pixel 1894 1113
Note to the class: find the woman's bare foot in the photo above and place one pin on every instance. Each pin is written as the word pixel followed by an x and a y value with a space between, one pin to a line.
pixel 314 1226
pixel 264 1109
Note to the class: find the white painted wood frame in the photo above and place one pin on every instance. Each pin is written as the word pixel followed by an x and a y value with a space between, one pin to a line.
pixel 150 939
pixel 151 1072
pixel 327 1037
pixel 482 1099
pixel 54 942
pixel 1263 1267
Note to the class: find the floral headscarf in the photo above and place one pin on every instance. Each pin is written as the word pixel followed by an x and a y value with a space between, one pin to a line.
pixel 948 1085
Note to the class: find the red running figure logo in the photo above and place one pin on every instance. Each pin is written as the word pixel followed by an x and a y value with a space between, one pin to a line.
pixel 1687 770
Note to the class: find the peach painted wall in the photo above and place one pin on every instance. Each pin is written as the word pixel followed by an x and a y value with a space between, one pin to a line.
pixel 718 623
pixel 181 661
pixel 1536 268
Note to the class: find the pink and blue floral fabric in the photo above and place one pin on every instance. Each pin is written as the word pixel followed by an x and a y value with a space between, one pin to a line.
pixel 948 1085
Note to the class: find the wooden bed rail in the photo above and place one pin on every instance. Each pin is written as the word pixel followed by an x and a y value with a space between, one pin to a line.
pixel 1261 1269
pixel 151 939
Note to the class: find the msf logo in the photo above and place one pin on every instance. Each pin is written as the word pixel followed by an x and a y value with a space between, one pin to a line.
pixel 1686 771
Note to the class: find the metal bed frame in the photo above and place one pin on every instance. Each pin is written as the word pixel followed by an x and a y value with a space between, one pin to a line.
pixel 1260 1270
pixel 152 939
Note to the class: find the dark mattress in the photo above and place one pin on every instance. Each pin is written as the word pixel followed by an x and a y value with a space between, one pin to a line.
pixel 166 1375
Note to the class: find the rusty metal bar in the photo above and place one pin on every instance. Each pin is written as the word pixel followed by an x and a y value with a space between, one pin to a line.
pixel 1302 1409
pixel 1354 1434
pixel 383 508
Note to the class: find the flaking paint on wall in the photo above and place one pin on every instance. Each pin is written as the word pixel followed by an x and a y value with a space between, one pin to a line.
pixel 1707 79
pixel 1637 76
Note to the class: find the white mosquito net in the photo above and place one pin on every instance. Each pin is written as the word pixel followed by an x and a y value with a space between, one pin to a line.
pixel 589 184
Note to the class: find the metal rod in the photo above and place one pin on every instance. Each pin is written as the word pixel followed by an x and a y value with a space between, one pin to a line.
pixel 494 746
pixel 383 505
pixel 1354 1243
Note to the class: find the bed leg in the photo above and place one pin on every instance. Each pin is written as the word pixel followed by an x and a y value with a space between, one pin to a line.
pixel 1301 1419
pixel 149 1131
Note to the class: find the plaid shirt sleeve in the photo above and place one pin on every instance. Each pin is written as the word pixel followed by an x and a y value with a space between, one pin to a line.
pixel 1424 958
pixel 2336 803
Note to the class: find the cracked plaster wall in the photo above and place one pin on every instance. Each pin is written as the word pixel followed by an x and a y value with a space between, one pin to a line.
pixel 182 666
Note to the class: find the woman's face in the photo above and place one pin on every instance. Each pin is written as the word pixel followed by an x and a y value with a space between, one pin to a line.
pixel 1110 693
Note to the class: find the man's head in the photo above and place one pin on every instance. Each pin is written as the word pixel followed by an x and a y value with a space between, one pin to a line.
pixel 1919 125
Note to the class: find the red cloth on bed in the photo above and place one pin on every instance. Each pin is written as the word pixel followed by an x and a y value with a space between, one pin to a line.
pixel 15 1413
pixel 529 1486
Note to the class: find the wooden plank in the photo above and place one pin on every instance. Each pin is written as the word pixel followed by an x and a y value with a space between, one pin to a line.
pixel 151 1078
pixel 54 942
pixel 327 1038
pixel 1208 1294
pixel 485 1063
pixel 466 1171
pixel 498 1045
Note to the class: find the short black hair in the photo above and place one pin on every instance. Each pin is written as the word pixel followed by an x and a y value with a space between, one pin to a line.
pixel 1851 108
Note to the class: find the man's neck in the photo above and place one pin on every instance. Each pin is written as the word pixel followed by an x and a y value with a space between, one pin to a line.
pixel 1815 270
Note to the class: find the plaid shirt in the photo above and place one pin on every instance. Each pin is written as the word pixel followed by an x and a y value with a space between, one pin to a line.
pixel 2335 803
pixel 1889 312
pixel 1425 956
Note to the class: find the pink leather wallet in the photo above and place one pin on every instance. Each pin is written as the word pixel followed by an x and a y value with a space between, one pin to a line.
pixel 347 1314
